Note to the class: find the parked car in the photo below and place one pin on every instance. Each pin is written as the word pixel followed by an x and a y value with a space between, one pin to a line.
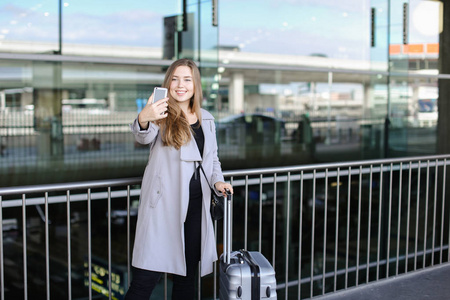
pixel 259 128
pixel 246 139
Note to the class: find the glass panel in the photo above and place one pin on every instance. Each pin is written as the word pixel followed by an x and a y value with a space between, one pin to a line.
pixel 277 65
pixel 297 117
pixel 75 116
pixel 134 23
pixel 414 116
pixel 293 88
pixel 376 95
pixel 413 98
pixel 29 26
pixel 379 20
pixel 68 120
pixel 209 56
pixel 414 39
pixel 334 29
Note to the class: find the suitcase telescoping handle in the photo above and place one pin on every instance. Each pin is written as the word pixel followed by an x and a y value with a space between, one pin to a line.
pixel 227 229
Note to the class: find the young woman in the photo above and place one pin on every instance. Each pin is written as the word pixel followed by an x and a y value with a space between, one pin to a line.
pixel 174 227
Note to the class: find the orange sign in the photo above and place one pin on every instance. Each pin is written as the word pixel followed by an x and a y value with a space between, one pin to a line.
pixel 398 49
pixel 433 48
pixel 413 48
pixel 395 49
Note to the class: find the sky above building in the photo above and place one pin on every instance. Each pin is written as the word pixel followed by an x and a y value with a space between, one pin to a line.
pixel 338 29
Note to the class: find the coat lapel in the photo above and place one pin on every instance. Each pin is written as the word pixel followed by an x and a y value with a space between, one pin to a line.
pixel 189 152
pixel 209 137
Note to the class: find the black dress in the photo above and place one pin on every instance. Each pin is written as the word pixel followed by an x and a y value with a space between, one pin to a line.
pixel 184 288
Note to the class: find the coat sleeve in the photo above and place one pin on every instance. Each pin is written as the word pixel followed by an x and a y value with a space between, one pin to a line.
pixel 144 136
pixel 217 168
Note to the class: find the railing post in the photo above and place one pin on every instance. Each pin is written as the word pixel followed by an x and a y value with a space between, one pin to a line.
pixel 24 245
pixel 347 242
pixel 380 205
pixel 89 232
pixel 385 211
pixel 325 217
pixel 399 218
pixel 300 236
pixel 2 269
pixel 336 239
pixel 69 252
pixel 288 236
pixel 389 220
pixel 47 249
pixel 109 246
pixel 313 225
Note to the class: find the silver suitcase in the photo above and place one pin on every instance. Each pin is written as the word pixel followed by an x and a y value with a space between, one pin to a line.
pixel 243 274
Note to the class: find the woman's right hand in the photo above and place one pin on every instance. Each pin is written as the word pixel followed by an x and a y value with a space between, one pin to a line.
pixel 153 111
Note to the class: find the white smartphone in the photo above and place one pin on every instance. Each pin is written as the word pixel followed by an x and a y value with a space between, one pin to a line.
pixel 159 93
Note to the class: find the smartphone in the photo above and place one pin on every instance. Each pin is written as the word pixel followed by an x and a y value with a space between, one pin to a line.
pixel 159 93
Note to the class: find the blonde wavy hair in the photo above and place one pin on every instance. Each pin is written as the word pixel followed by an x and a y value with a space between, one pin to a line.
pixel 175 129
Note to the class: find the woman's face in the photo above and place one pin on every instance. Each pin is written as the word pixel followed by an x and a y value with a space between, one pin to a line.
pixel 182 85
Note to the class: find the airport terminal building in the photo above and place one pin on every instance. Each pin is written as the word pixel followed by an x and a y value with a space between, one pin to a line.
pixel 289 82
pixel 332 121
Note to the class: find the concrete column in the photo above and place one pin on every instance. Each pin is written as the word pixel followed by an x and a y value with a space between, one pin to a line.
pixel 414 99
pixel 312 102
pixel 236 93
pixel 112 101
pixel 443 127
pixel 2 100
pixel 90 93
pixel 26 98
pixel 112 97
pixel 47 98
pixel 368 100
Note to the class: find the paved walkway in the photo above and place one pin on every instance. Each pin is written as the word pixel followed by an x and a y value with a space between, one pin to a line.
pixel 432 283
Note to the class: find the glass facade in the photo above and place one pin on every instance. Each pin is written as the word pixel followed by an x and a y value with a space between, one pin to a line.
pixel 289 82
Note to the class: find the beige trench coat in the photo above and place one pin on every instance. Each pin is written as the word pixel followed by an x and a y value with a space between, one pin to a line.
pixel 159 241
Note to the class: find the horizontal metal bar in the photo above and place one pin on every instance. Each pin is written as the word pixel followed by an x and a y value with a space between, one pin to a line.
pixel 73 198
pixel 137 180
pixel 68 186
pixel 331 174
pixel 311 167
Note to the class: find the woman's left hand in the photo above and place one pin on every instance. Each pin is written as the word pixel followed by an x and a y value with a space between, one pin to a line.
pixel 222 186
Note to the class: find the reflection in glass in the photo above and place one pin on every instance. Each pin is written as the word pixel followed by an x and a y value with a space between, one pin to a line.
pixel 328 94
pixel 29 26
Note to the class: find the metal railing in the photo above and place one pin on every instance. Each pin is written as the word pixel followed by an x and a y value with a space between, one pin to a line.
pixel 324 228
